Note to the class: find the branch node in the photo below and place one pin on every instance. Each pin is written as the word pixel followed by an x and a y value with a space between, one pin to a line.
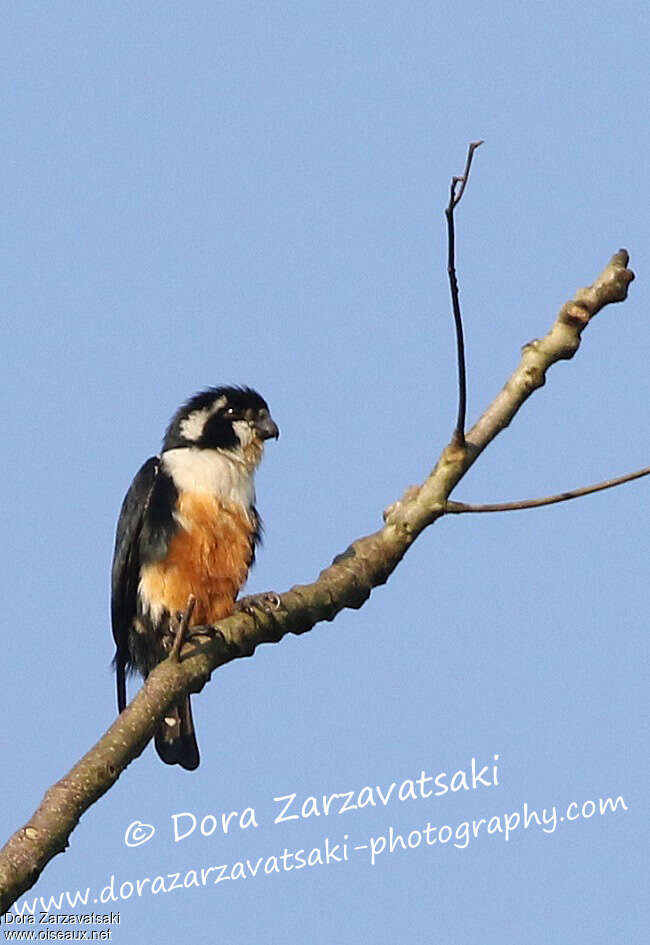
pixel 534 377
pixel 576 313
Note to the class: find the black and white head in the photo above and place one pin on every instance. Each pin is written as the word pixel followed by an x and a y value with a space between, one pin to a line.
pixel 235 420
pixel 215 442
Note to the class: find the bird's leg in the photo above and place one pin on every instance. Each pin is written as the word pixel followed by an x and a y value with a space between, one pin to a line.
pixel 181 633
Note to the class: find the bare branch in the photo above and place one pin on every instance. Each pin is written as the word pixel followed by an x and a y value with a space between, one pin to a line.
pixel 459 508
pixel 347 582
pixel 454 200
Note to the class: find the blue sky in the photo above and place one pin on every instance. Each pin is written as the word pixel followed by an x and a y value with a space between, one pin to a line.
pixel 253 193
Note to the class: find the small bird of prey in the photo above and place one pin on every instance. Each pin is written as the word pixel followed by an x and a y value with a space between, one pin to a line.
pixel 188 527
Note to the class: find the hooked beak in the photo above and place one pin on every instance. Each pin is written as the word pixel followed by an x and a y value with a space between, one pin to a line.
pixel 267 428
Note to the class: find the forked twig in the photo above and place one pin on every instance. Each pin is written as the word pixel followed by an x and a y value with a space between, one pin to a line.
pixel 454 200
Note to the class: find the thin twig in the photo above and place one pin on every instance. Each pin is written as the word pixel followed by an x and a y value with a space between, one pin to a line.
pixel 458 508
pixel 454 200
pixel 182 629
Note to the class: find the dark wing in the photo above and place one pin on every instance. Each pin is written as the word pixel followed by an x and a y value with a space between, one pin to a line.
pixel 258 531
pixel 126 567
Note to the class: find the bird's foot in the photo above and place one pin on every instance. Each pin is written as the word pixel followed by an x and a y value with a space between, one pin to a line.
pixel 269 603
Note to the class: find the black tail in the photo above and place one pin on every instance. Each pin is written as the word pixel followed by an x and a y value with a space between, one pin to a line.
pixel 120 669
pixel 175 740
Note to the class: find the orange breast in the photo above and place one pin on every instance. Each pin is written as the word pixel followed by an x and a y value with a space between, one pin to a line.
pixel 209 556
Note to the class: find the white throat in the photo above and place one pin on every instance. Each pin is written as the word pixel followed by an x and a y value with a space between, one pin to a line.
pixel 216 472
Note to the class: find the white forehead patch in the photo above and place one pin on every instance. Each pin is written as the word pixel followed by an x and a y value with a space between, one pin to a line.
pixel 192 426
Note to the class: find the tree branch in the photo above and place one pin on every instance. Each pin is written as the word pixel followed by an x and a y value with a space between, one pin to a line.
pixel 347 582
pixel 459 508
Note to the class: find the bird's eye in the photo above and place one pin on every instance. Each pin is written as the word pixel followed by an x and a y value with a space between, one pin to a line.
pixel 229 412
